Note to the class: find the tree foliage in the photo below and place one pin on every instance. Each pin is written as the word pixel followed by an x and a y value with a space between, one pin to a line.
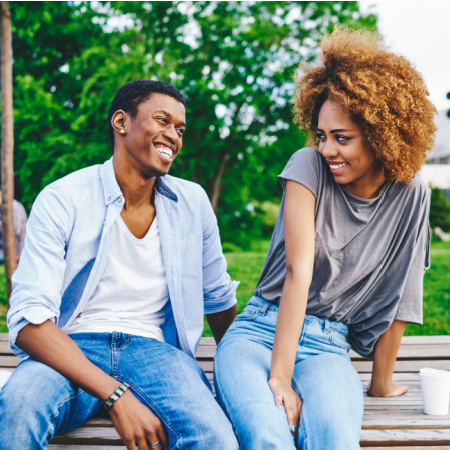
pixel 439 210
pixel 234 62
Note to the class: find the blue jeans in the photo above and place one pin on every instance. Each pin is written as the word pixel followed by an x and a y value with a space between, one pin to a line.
pixel 37 402
pixel 324 378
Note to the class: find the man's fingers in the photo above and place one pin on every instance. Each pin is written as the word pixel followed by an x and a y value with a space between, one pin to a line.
pixel 131 445
pixel 142 443
pixel 162 436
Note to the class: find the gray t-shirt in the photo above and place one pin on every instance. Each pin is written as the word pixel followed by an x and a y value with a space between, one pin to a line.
pixel 370 254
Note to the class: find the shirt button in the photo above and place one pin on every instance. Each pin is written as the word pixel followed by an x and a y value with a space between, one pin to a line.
pixel 104 222
pixel 108 199
pixel 119 199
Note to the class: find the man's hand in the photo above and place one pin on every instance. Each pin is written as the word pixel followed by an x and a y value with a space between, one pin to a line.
pixel 134 422
pixel 137 426
pixel 287 397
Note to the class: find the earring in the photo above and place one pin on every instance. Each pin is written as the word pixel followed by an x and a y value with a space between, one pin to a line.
pixel 122 131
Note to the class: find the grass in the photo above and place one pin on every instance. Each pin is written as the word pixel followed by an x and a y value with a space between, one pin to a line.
pixel 436 294
pixel 246 267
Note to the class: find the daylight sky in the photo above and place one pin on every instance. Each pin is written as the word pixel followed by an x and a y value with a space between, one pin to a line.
pixel 419 30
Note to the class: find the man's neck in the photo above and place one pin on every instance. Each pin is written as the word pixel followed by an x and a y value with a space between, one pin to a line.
pixel 137 190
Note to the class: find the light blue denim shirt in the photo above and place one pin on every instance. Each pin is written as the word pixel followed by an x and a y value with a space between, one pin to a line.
pixel 67 244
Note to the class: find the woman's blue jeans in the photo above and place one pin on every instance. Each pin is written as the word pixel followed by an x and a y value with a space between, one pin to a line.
pixel 37 402
pixel 324 378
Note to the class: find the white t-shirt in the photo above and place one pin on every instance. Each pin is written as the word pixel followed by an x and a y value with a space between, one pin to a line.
pixel 132 293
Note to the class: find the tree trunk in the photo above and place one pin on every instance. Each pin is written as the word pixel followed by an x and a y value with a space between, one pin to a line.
pixel 9 240
pixel 217 182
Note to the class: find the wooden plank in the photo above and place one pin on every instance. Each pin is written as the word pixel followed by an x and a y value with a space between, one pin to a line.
pixel 366 366
pixel 415 447
pixel 85 447
pixel 9 362
pixel 390 423
pixel 406 352
pixel 405 366
pixel 4 348
pixel 419 340
pixel 89 436
pixel 108 436
pixel 389 438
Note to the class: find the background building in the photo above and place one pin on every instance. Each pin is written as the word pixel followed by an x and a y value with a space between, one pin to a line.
pixel 441 151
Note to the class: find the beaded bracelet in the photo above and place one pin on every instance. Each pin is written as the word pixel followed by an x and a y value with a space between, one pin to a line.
pixel 116 395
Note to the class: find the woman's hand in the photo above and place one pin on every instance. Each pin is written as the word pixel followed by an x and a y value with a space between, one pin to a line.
pixel 136 425
pixel 285 395
pixel 394 390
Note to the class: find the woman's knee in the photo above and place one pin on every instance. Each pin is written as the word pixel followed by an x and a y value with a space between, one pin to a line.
pixel 332 403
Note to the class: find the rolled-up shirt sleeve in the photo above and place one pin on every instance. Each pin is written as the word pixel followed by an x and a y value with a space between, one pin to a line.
pixel 219 292
pixel 37 282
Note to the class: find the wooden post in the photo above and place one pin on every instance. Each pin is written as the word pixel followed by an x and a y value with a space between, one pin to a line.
pixel 9 240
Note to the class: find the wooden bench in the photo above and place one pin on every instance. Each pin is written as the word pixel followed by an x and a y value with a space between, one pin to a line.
pixel 397 423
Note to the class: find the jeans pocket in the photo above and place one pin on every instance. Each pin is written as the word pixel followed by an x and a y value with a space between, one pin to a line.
pixel 339 340
pixel 249 312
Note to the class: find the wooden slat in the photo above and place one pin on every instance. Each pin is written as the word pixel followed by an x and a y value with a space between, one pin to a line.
pixel 389 438
pixel 415 447
pixel 420 340
pixel 9 362
pixel 89 436
pixel 405 366
pixel 85 447
pixel 390 423
pixel 424 352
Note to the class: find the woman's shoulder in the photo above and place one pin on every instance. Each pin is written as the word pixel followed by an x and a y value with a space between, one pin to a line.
pixel 416 189
pixel 305 154
pixel 305 159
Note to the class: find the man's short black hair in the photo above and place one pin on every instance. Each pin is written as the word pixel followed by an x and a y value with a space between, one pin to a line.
pixel 131 95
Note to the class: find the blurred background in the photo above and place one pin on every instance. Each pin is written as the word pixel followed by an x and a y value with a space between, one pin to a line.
pixel 235 63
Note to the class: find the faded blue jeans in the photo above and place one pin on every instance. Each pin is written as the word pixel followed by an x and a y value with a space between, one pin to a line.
pixel 324 378
pixel 37 402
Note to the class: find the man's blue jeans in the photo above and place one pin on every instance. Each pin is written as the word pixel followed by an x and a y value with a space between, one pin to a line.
pixel 324 378
pixel 37 402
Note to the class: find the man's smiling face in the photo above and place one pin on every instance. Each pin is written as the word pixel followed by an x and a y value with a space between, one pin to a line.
pixel 154 137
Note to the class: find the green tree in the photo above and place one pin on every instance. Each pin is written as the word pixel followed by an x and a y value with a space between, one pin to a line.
pixel 439 210
pixel 234 61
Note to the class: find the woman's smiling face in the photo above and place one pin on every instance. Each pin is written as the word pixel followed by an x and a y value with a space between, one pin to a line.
pixel 347 152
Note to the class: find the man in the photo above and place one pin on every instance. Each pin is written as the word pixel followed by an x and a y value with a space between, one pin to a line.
pixel 20 223
pixel 120 263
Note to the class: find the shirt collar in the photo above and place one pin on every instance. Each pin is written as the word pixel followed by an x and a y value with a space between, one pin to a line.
pixel 161 186
pixel 112 190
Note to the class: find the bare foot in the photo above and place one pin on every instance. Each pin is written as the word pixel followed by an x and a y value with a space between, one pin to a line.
pixel 395 390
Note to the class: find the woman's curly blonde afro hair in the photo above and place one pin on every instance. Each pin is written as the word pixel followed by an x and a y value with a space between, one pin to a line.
pixel 382 93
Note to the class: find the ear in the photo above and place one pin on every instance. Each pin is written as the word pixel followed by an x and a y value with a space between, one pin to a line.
pixel 119 122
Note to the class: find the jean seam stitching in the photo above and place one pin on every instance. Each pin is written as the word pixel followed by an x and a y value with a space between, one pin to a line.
pixel 222 396
pixel 302 424
pixel 55 414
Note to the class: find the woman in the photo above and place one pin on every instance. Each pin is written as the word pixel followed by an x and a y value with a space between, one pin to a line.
pixel 346 261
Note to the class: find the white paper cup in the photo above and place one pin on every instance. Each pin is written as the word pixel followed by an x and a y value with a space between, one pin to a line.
pixel 435 385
